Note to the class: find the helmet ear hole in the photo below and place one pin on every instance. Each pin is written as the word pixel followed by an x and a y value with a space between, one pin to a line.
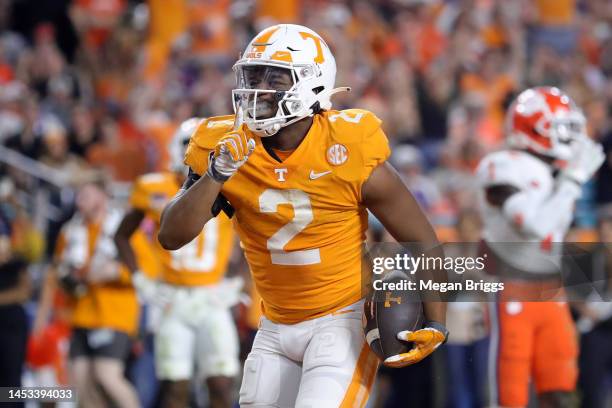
pixel 318 89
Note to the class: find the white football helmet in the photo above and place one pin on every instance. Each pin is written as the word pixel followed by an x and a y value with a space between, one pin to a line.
pixel 179 142
pixel 309 61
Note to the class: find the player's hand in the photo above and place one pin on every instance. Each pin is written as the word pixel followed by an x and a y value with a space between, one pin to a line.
pixel 164 295
pixel 151 291
pixel 231 152
pixel 146 288
pixel 227 293
pixel 426 341
pixel 587 157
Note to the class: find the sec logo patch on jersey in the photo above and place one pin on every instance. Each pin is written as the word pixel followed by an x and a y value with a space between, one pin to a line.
pixel 337 154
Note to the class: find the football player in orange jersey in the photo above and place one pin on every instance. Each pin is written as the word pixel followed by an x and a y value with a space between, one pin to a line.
pixel 196 328
pixel 300 177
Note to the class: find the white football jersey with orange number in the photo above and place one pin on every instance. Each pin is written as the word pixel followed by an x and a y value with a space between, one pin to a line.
pixel 301 221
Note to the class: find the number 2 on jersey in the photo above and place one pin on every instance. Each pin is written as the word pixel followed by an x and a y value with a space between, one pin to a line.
pixel 346 117
pixel 269 201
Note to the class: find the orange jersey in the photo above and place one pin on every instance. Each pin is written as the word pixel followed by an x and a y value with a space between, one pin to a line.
pixel 145 251
pixel 201 262
pixel 104 305
pixel 301 221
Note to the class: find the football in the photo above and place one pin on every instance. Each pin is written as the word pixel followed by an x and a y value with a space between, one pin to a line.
pixel 388 312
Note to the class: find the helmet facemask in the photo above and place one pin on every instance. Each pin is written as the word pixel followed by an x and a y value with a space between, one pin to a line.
pixel 563 129
pixel 272 96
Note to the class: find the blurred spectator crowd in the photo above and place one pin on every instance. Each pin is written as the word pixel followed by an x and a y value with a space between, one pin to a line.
pixel 103 84
pixel 90 86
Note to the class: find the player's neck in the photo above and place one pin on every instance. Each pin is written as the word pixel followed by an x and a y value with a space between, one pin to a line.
pixel 290 137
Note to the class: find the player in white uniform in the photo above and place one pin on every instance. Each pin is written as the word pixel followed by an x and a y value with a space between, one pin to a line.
pixel 528 196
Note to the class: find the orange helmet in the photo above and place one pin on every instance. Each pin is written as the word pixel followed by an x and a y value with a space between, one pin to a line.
pixel 544 120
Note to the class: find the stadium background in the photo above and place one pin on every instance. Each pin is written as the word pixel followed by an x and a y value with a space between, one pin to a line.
pixel 91 85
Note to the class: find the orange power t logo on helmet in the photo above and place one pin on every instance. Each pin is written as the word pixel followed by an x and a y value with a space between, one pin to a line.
pixel 319 58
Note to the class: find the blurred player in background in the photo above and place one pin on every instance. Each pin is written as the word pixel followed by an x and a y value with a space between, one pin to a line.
pixel 104 305
pixel 528 195
pixel 299 177
pixel 196 328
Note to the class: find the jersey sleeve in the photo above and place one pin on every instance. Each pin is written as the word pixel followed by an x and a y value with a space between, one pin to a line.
pixel 375 148
pixel 203 141
pixel 196 157
pixel 377 151
pixel 498 169
pixel 359 132
pixel 139 199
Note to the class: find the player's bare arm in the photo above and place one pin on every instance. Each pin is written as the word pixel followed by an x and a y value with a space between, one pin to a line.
pixel 130 223
pixel 186 214
pixel 390 201
pixel 128 226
